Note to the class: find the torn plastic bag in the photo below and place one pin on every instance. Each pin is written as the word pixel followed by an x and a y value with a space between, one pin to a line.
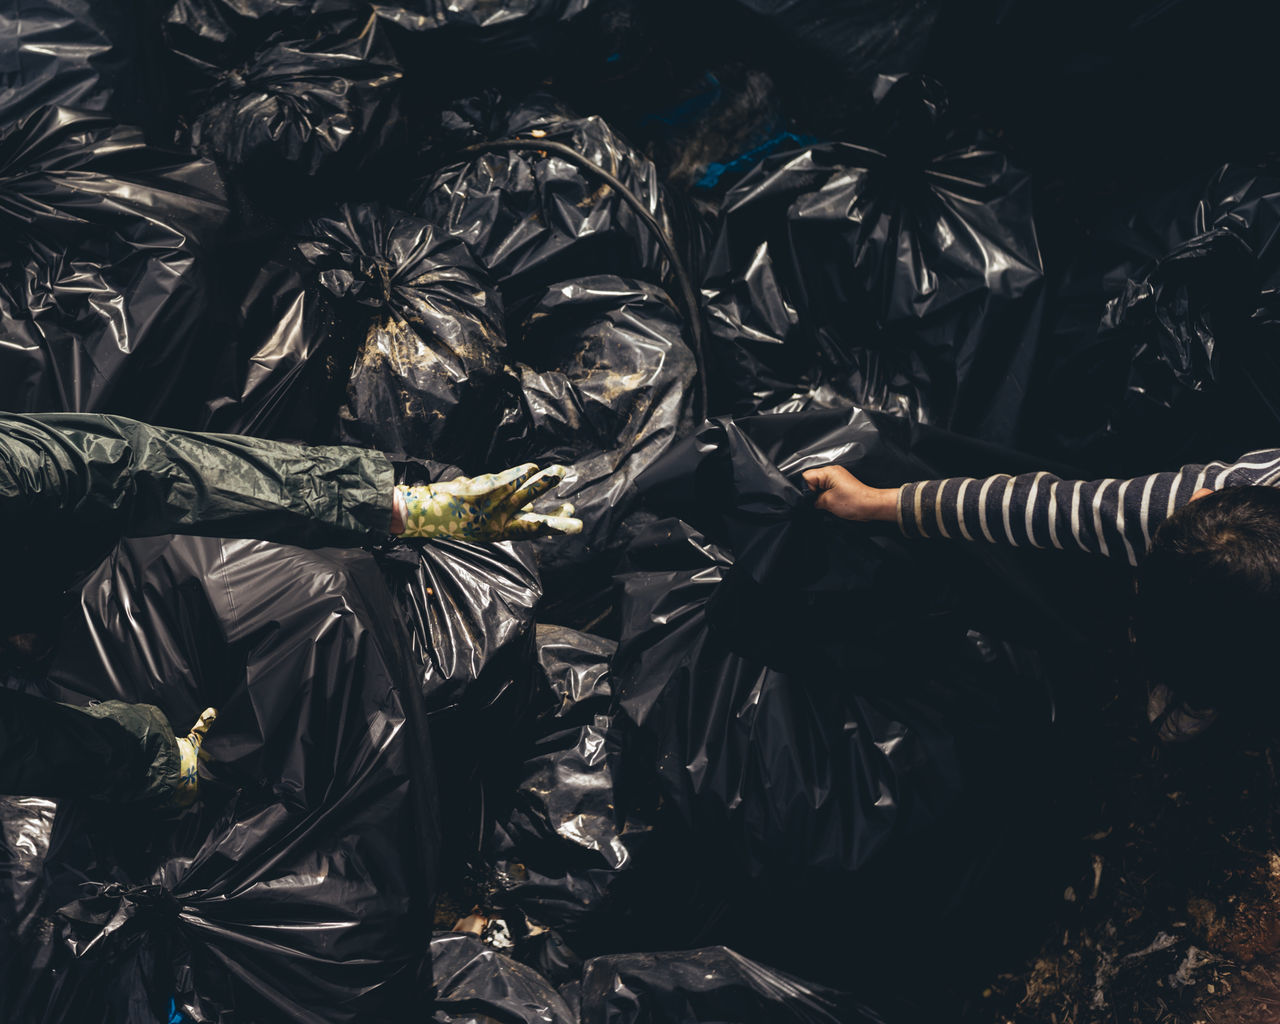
pixel 379 308
pixel 712 985
pixel 321 104
pixel 1178 366
pixel 714 127
pixel 104 274
pixel 533 219
pixel 903 275
pixel 75 53
pixel 477 985
pixel 301 883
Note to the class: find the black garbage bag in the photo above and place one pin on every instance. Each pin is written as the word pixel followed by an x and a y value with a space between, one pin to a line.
pixel 378 308
pixel 310 111
pixel 300 885
pixel 567 836
pixel 712 985
pixel 827 704
pixel 74 53
pixel 470 612
pixel 605 387
pixel 105 269
pixel 25 826
pixel 901 275
pixel 535 219
pixel 771 655
pixel 1178 364
pixel 477 985
pixel 462 46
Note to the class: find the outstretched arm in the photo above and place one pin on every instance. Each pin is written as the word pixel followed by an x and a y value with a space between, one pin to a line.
pixel 1109 517
pixel 84 472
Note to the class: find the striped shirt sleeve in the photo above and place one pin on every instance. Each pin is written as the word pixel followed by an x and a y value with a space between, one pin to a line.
pixel 1114 518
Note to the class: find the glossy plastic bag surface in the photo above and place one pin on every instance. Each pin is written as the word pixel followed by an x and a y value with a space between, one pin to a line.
pixel 300 884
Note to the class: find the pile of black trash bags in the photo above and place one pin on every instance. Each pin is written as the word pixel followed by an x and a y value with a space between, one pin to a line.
pixel 720 757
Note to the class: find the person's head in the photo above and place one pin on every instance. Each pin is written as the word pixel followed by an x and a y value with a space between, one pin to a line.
pixel 1207 619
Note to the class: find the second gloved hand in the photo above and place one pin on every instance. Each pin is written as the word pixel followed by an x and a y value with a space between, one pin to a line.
pixel 491 507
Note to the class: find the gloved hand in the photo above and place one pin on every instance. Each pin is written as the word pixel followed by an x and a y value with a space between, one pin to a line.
pixel 491 507
pixel 190 755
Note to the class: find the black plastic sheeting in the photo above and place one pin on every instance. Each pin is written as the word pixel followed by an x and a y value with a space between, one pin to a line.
pixel 25 826
pixel 301 884
pixel 105 276
pixel 901 275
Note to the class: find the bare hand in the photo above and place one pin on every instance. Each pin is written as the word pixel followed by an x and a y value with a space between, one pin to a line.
pixel 843 494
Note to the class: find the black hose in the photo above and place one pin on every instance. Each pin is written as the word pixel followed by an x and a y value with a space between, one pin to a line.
pixel 688 298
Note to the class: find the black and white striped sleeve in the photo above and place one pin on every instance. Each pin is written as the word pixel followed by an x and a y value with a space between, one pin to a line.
pixel 1111 517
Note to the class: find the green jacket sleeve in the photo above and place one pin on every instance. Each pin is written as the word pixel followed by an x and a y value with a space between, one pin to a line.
pixel 74 471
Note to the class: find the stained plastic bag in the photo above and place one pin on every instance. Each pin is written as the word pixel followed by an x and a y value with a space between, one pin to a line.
pixel 105 270
pixel 379 309
pixel 605 386
pixel 901 275
pixel 300 884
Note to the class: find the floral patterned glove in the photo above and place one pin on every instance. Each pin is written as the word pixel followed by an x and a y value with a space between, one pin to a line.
pixel 190 754
pixel 492 507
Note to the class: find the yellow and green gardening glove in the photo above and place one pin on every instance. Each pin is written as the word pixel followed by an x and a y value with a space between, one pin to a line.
pixel 190 754
pixel 491 507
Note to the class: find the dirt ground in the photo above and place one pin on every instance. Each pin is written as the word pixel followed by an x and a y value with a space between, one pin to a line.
pixel 1170 911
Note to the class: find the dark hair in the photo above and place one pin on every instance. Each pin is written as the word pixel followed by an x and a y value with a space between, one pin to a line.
pixel 1208 608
